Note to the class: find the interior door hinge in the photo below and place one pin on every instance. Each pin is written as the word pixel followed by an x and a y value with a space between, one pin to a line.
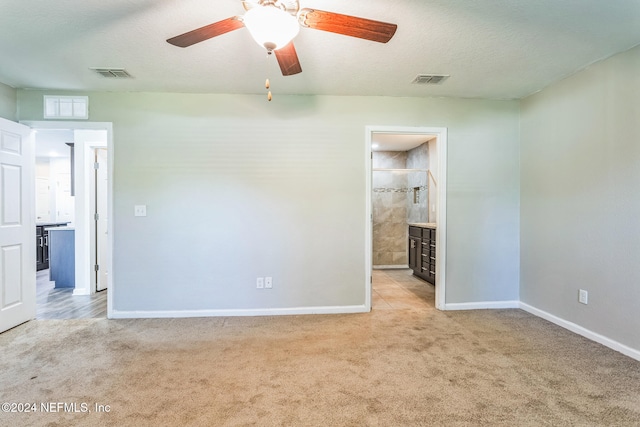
pixel 96 165
pixel 96 216
pixel 96 267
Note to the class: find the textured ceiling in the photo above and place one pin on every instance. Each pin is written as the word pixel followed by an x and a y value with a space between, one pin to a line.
pixel 499 49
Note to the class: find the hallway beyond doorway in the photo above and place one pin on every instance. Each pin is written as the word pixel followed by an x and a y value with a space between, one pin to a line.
pixel 52 303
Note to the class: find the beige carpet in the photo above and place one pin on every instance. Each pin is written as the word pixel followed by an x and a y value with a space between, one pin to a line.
pixel 404 364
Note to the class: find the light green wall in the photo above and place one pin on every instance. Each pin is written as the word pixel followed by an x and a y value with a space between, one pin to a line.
pixel 8 103
pixel 237 187
pixel 580 226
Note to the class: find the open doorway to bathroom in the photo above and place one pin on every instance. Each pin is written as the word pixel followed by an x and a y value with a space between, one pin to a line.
pixel 405 198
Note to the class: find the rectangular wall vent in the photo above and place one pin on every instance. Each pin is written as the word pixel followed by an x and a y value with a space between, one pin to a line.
pixel 117 73
pixel 430 79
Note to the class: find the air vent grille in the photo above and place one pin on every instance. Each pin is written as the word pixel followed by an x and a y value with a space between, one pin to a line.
pixel 430 79
pixel 113 73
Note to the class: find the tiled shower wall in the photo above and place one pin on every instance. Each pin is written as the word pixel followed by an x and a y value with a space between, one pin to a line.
pixel 418 158
pixel 389 209
pixel 392 201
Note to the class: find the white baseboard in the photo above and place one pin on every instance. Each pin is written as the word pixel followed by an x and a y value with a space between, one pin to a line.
pixel 151 314
pixel 482 305
pixel 390 267
pixel 593 336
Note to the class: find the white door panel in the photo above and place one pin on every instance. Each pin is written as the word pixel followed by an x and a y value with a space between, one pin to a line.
pixel 17 225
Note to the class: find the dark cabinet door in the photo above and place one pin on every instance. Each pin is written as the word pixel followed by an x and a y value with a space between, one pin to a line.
pixel 422 253
pixel 432 257
pixel 45 249
pixel 40 248
pixel 414 253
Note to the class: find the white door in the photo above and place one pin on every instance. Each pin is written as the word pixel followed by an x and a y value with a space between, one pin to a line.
pixel 102 237
pixel 17 225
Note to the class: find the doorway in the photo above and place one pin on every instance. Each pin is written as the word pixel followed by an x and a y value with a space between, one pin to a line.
pixel 91 223
pixel 413 192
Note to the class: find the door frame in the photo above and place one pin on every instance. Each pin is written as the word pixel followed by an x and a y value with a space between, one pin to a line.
pixel 441 212
pixel 85 219
pixel 99 255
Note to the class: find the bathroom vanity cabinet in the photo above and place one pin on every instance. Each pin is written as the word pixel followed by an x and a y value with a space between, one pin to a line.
pixel 422 251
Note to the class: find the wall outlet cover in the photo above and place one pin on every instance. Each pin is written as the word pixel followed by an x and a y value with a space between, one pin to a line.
pixel 583 296
pixel 140 210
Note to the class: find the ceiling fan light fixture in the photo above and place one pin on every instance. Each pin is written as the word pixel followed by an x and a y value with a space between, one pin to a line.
pixel 270 26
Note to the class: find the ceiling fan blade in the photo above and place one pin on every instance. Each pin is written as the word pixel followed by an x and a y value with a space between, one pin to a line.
pixel 348 25
pixel 208 31
pixel 288 60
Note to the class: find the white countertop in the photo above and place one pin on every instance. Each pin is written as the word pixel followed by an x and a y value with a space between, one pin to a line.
pixel 59 228
pixel 423 224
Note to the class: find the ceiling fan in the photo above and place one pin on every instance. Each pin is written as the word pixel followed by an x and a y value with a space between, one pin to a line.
pixel 274 24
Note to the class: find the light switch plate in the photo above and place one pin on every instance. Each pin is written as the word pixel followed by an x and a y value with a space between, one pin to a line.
pixel 140 210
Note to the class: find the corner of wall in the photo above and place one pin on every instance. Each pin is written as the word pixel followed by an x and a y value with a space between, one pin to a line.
pixel 8 102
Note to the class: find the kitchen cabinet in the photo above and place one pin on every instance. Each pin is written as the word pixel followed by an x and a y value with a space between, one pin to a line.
pixel 42 244
pixel 62 269
pixel 40 265
pixel 422 252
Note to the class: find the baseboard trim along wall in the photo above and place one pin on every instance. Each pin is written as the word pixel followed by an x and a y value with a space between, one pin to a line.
pixel 608 342
pixel 482 305
pixel 390 267
pixel 158 314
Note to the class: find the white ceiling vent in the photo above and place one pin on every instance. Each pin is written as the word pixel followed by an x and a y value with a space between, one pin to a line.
pixel 118 73
pixel 430 79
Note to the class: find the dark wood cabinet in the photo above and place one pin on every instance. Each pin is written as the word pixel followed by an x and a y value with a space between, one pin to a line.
pixel 415 245
pixel 414 253
pixel 422 252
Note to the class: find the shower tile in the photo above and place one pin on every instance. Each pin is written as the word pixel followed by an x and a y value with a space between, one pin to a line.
pixel 400 258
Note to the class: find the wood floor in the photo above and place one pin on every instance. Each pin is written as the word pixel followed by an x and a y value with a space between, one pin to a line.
pixel 52 303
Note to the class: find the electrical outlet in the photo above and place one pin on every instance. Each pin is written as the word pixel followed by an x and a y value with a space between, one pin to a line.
pixel 260 282
pixel 140 210
pixel 268 282
pixel 583 296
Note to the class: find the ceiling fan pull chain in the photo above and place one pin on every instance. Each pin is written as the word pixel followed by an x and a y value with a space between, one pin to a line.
pixel 267 83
